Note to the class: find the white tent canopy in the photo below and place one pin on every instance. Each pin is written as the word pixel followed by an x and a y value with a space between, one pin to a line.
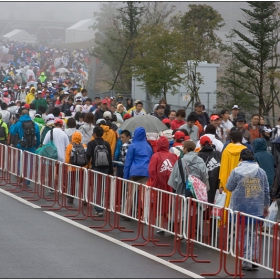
pixel 19 36
pixel 80 32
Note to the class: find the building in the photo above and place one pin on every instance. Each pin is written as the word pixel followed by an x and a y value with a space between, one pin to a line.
pixel 18 35
pixel 80 32
pixel 207 90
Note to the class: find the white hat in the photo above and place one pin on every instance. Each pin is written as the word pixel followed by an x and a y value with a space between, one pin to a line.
pixel 5 89
pixel 50 117
pixel 235 107
pixel 26 87
pixel 107 115
pixel 100 120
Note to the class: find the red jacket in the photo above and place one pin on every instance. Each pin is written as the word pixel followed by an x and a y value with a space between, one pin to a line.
pixel 161 165
pixel 175 124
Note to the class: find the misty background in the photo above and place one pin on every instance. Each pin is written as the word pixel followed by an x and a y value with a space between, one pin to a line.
pixel 50 19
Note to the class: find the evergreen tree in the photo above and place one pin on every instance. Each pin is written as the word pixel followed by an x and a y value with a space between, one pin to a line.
pixel 254 55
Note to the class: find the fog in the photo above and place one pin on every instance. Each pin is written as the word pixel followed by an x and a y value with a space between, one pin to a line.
pixel 71 12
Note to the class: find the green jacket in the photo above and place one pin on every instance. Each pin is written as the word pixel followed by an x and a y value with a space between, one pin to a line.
pixel 40 102
pixel 40 122
pixel 2 124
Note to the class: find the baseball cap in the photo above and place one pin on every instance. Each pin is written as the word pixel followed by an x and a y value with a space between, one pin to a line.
pixel 197 104
pixel 235 107
pixel 26 106
pixel 189 144
pixel 136 101
pixel 6 94
pixel 165 121
pixel 38 115
pixel 101 121
pixel 50 117
pixel 107 115
pixel 126 116
pixel 78 99
pixel 59 121
pixel 204 140
pixel 214 117
pixel 104 101
pixel 5 89
pixel 240 120
pixel 179 135
pixel 39 92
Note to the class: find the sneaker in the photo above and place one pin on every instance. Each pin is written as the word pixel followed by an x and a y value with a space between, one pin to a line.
pixel 70 200
pixel 51 190
pixel 98 214
pixel 126 219
pixel 247 267
pixel 160 232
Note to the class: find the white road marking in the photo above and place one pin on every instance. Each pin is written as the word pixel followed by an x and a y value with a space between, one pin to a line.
pixel 19 199
pixel 129 247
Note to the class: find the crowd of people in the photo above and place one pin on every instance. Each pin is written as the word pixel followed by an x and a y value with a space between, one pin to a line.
pixel 224 151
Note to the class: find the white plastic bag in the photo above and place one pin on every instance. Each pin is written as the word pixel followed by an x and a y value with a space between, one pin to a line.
pixel 220 199
pixel 273 210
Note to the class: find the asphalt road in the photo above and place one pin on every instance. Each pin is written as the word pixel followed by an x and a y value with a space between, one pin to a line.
pixel 37 243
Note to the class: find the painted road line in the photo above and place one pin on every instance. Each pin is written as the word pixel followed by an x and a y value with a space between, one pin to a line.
pixel 19 199
pixel 129 247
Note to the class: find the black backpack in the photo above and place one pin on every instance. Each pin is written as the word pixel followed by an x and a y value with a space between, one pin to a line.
pixel 2 131
pixel 100 155
pixel 78 155
pixel 29 138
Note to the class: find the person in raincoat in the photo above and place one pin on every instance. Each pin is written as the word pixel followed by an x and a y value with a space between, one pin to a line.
pixel 30 96
pixel 249 189
pixel 39 121
pixel 230 159
pixel 160 168
pixel 42 77
pixel 264 158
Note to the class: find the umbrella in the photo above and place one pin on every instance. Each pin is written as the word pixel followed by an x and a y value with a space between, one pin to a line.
pixel 62 70
pixel 150 123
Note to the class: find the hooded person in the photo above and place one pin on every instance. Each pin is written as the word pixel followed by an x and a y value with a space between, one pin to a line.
pixel 264 158
pixel 212 159
pixel 76 139
pixel 30 96
pixel 195 166
pixel 230 159
pixel 249 189
pixel 160 168
pixel 38 119
pixel 42 77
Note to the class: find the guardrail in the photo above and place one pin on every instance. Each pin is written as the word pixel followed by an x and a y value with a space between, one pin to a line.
pixel 252 241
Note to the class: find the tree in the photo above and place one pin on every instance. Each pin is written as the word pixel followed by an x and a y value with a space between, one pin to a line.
pixel 200 43
pixel 159 62
pixel 255 54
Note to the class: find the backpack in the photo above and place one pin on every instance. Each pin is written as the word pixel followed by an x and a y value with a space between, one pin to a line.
pixel 29 138
pixel 78 155
pixel 49 150
pixel 2 131
pixel 100 155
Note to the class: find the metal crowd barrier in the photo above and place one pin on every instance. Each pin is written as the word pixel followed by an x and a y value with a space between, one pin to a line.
pixel 190 221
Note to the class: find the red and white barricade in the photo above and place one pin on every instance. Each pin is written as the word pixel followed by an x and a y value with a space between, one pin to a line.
pixel 3 160
pixel 98 195
pixel 14 167
pixel 256 244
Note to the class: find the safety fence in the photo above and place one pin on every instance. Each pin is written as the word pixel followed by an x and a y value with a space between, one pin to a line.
pixel 252 241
